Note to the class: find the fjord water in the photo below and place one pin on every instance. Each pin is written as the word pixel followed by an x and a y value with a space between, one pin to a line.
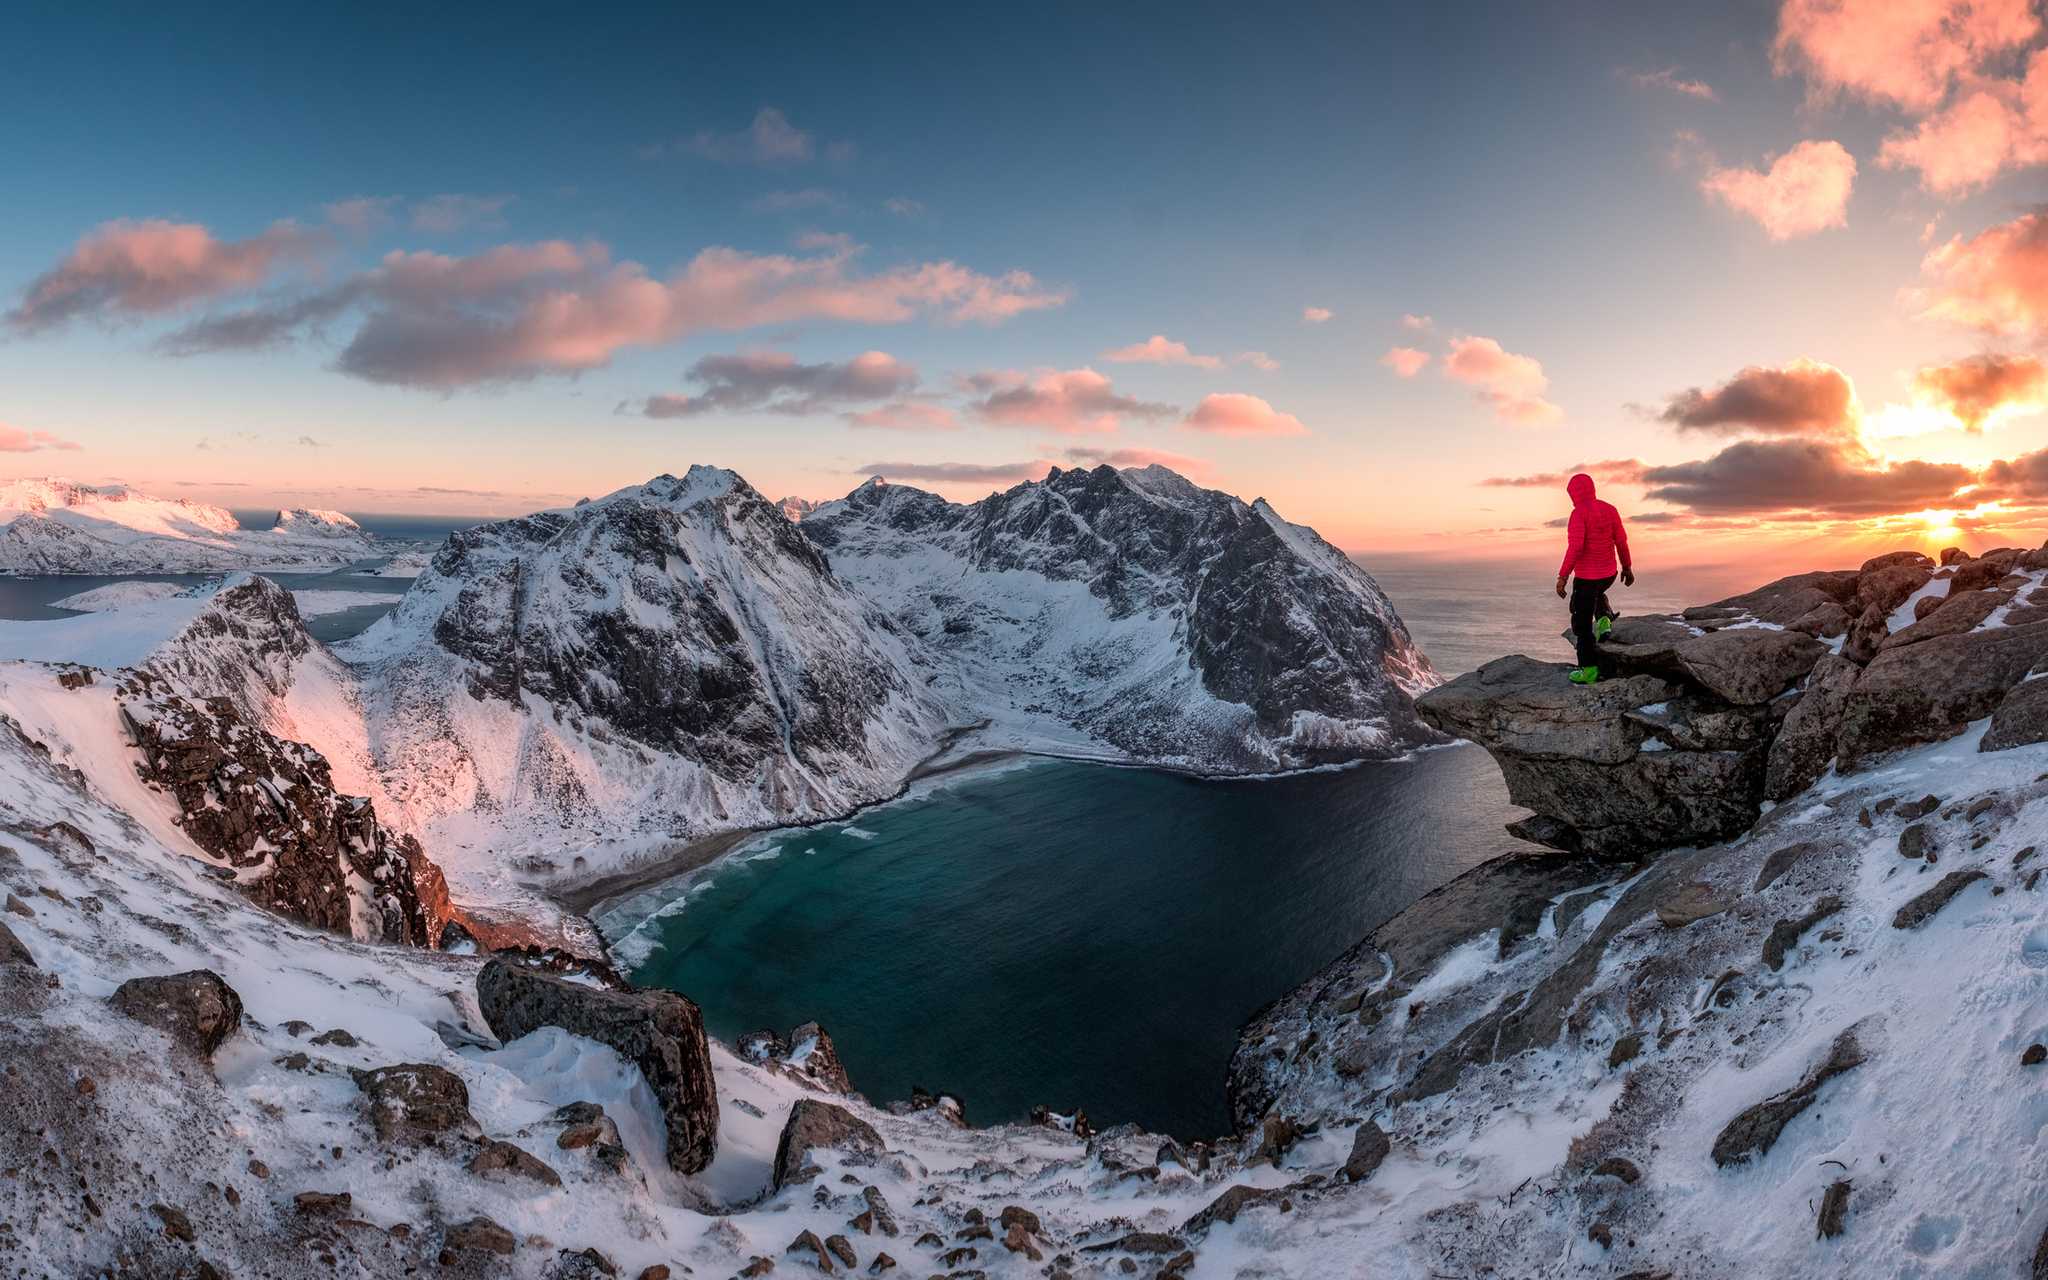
pixel 1064 933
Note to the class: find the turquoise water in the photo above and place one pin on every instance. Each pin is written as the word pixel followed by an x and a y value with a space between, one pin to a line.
pixel 1061 933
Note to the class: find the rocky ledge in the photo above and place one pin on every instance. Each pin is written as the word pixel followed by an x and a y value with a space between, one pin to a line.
pixel 1702 717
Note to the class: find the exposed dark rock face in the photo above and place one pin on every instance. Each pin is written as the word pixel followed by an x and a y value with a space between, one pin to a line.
pixel 814 1124
pixel 1262 613
pixel 1756 1129
pixel 1368 1149
pixel 658 1031
pixel 1629 765
pixel 268 807
pixel 1928 691
pixel 198 1010
pixel 414 1103
pixel 12 949
pixel 1921 908
pixel 1805 744
pixel 687 616
pixel 806 1053
pixel 2021 719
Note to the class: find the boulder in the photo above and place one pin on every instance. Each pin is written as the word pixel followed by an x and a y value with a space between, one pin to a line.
pixel 1625 766
pixel 1756 1129
pixel 12 950
pixel 2021 718
pixel 1884 587
pixel 1749 665
pixel 1782 602
pixel 1929 691
pixel 813 1124
pixel 415 1103
pixel 1369 1147
pixel 1986 570
pixel 658 1031
pixel 496 1157
pixel 1805 744
pixel 1952 615
pixel 197 1009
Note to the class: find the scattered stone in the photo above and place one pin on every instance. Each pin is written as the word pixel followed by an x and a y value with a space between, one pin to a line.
pixel 2035 1055
pixel 1018 1240
pixel 12 950
pixel 1753 1132
pixel 294 1028
pixel 337 1037
pixel 876 1217
pixel 1980 807
pixel 1692 903
pixel 1368 1148
pixel 503 1157
pixel 1226 1207
pixel 1170 1152
pixel 259 1169
pixel 1922 907
pixel 197 1009
pixel 1018 1216
pixel 415 1102
pixel 1618 1167
pixel 582 1264
pixel 1625 1050
pixel 954 1257
pixel 176 1225
pixel 1277 1136
pixel 1601 1234
pixel 20 908
pixel 842 1249
pixel 813 1124
pixel 1916 841
pixel 758 1267
pixel 1786 933
pixel 659 1271
pixel 1780 862
pixel 882 1262
pixel 659 1031
pixel 322 1201
pixel 1914 810
pixel 1834 1210
pixel 481 1234
pixel 932 1239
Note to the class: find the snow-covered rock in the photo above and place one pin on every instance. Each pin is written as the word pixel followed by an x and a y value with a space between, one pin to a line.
pixel 797 508
pixel 1136 615
pixel 59 526
pixel 671 660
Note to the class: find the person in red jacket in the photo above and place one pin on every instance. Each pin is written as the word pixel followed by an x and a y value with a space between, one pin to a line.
pixel 1594 539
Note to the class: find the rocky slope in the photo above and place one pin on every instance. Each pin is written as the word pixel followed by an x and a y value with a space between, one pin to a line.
pixel 57 526
pixel 1132 613
pixel 1795 1051
pixel 671 660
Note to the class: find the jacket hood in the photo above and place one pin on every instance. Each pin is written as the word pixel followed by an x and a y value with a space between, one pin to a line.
pixel 1580 487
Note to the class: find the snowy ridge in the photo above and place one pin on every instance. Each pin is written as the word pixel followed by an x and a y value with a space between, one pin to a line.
pixel 59 526
pixel 669 661
pixel 1134 615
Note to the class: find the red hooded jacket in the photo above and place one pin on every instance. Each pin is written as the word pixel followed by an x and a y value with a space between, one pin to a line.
pixel 1593 536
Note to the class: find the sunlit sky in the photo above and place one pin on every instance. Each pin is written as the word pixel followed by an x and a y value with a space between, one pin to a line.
pixel 1778 266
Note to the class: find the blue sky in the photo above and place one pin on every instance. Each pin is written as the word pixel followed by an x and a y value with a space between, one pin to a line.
pixel 1200 172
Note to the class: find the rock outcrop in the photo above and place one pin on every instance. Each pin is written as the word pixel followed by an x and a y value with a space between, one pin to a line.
pixel 658 1031
pixel 197 1010
pixel 1702 717
pixel 268 808
pixel 1176 623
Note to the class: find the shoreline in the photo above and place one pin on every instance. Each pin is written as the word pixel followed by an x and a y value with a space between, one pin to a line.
pixel 585 897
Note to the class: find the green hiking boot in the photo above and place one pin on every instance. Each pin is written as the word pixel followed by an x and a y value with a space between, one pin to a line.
pixel 1601 626
pixel 1584 675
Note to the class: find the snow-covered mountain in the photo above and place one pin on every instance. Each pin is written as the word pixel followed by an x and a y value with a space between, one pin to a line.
pixel 797 508
pixel 58 526
pixel 672 660
pixel 1134 614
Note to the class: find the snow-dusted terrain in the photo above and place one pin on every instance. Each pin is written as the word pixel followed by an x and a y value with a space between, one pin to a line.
pixel 1812 1050
pixel 57 526
pixel 1134 615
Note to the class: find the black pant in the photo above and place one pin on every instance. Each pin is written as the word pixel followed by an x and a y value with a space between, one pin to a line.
pixel 1589 601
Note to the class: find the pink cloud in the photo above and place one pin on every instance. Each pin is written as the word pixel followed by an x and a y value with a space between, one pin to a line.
pixel 1994 126
pixel 446 213
pixel 1995 282
pixel 960 473
pixel 1316 315
pixel 1233 413
pixel 1069 401
pixel 1258 360
pixel 906 415
pixel 18 440
pixel 1804 191
pixel 1669 79
pixel 518 311
pixel 1417 324
pixel 140 268
pixel 1406 362
pixel 1159 349
pixel 1902 52
pixel 1512 384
